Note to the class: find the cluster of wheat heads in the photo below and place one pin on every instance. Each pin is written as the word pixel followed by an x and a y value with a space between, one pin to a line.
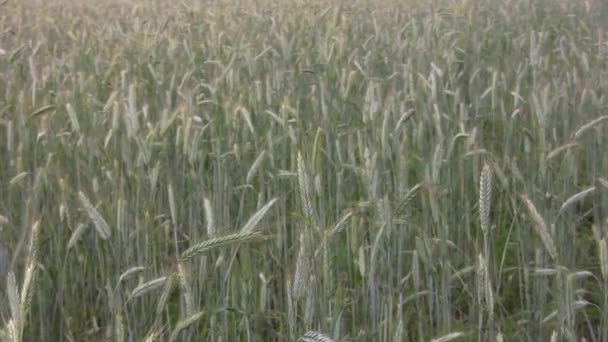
pixel 280 170
pixel 20 299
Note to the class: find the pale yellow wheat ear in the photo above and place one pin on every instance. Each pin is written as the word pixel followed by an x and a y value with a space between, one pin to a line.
pixel 301 273
pixel 168 286
pixel 300 276
pixel 209 217
pixel 14 324
pixel 603 258
pixel 485 197
pixel 253 221
pixel 184 283
pixel 313 336
pixel 20 301
pixel 341 224
pixel 408 198
pixel 183 324
pixel 579 196
pixel 602 182
pixel 101 226
pixel 554 336
pixel 305 190
pixel 153 336
pixel 220 241
pixel 149 286
pixel 449 337
pixel 588 126
pixel 540 227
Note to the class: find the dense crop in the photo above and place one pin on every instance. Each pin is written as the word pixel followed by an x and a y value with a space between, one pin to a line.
pixel 324 171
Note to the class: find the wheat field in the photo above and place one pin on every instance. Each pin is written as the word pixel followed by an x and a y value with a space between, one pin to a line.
pixel 272 170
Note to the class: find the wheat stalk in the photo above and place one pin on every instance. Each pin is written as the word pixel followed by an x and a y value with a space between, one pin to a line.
pixel 416 271
pixel 119 326
pixel 484 285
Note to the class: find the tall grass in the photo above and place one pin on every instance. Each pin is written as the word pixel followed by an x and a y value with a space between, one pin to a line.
pixel 303 170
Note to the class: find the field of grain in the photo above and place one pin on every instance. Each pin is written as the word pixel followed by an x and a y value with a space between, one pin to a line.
pixel 272 170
